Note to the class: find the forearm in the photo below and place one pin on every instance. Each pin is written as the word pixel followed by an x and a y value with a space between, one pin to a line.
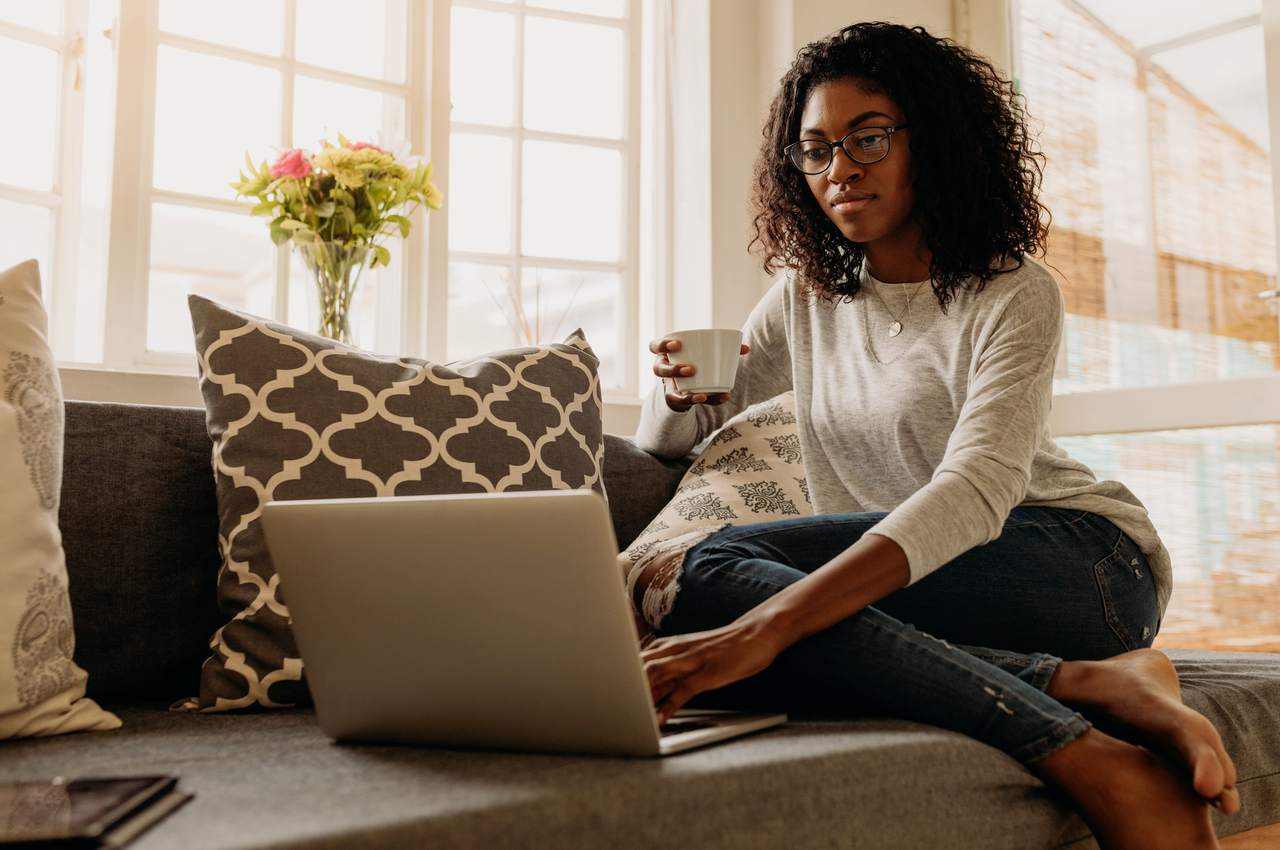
pixel 866 572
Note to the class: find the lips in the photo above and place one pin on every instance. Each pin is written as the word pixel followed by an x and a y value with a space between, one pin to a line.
pixel 851 202
pixel 847 197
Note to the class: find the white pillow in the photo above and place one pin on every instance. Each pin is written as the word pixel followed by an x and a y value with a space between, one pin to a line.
pixel 41 688
pixel 751 471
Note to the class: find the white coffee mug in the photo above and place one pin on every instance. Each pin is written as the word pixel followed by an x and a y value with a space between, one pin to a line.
pixel 713 352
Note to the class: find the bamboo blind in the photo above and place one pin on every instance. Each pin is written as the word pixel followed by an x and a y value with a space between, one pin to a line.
pixel 1163 230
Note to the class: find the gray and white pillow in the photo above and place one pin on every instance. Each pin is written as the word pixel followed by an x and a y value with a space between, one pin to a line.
pixel 41 688
pixel 751 471
pixel 293 415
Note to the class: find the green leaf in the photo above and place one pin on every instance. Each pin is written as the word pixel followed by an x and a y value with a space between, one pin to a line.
pixel 381 256
pixel 264 208
pixel 278 234
pixel 325 210
pixel 292 224
pixel 402 222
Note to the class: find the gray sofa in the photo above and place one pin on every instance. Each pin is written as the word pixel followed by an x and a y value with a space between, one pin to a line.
pixel 141 539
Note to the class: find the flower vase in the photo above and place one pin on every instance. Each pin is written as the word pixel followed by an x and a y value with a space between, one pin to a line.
pixel 335 268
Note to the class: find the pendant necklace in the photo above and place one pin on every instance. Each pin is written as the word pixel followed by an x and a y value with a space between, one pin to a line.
pixel 896 327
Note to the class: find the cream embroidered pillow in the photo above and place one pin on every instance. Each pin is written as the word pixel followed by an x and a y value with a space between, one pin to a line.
pixel 750 472
pixel 41 688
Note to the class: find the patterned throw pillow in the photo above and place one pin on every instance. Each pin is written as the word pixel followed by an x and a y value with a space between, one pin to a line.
pixel 751 471
pixel 41 687
pixel 293 415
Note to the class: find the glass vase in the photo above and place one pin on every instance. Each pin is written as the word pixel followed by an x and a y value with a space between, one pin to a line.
pixel 335 268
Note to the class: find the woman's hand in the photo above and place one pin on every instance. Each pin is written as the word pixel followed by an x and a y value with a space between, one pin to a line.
pixel 680 666
pixel 663 368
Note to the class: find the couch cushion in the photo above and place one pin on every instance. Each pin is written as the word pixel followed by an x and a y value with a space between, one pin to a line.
pixel 818 782
pixel 750 471
pixel 140 526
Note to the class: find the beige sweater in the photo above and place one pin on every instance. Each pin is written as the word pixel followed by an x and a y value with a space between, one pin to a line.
pixel 944 426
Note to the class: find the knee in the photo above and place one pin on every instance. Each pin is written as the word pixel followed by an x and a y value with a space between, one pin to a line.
pixel 712 559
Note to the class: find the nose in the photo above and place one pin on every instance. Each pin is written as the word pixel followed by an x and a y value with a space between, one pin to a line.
pixel 844 168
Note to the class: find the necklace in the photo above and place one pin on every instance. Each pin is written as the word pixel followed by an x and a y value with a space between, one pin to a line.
pixel 896 327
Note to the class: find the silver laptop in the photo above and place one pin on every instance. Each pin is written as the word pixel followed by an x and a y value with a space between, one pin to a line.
pixel 493 620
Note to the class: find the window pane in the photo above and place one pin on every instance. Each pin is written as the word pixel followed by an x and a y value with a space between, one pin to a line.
pixel 486 313
pixel 256 25
pixel 375 306
pixel 30 113
pixel 1163 226
pixel 480 193
pixel 224 256
pixel 208 112
pixel 558 95
pixel 323 109
pixel 558 300
pixel 1138 21
pixel 481 66
pixel 572 202
pixel 368 38
pixel 1214 497
pixel 481 315
pixel 43 15
pixel 606 8
pixel 24 235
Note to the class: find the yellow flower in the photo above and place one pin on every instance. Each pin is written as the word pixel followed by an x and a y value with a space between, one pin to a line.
pixel 434 198
pixel 354 168
pixel 343 165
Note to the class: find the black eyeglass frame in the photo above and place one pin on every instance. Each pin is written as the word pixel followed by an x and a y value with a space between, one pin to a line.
pixel 888 131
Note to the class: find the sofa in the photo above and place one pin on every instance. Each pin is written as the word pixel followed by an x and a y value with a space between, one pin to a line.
pixel 140 532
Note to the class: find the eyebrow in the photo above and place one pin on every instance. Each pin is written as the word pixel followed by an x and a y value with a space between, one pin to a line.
pixel 854 123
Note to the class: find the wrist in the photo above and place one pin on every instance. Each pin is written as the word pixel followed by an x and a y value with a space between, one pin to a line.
pixel 771 624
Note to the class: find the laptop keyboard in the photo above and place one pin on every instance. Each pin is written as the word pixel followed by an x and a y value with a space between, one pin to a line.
pixel 675 727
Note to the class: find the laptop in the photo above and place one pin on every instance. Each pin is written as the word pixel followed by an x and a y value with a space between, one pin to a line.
pixel 482 620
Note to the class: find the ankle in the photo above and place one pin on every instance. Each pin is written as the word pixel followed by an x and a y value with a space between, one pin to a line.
pixel 1072 681
pixel 1079 766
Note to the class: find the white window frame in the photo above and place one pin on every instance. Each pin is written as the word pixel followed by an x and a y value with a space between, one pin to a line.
pixel 128 371
pixel 991 28
pixel 627 319
pixel 137 41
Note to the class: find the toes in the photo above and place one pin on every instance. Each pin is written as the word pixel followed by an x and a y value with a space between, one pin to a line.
pixel 1208 772
pixel 1228 802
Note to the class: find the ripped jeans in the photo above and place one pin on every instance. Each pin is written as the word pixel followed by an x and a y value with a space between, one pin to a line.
pixel 971 647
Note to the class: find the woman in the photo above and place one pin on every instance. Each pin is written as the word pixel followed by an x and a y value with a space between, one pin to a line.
pixel 942 505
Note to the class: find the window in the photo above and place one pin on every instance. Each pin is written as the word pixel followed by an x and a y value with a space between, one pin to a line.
pixel 543 169
pixel 125 201
pixel 53 181
pixel 1153 117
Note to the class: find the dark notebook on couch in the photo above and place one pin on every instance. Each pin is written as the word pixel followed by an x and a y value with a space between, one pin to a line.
pixel 85 812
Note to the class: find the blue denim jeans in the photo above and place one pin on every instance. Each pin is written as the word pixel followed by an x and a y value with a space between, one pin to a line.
pixel 971 647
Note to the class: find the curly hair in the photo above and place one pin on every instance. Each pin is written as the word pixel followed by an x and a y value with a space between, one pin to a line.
pixel 976 202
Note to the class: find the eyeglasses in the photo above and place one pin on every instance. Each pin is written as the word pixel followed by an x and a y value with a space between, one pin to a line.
pixel 868 145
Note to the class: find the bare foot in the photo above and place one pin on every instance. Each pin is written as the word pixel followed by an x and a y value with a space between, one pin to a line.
pixel 1138 692
pixel 1132 798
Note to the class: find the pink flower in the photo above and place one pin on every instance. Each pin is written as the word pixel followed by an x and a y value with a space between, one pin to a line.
pixel 359 146
pixel 292 164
